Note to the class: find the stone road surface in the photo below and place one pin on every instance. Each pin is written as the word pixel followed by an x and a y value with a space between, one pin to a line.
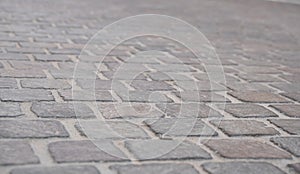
pixel 258 43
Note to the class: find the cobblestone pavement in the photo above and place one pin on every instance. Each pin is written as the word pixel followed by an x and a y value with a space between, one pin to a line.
pixel 257 132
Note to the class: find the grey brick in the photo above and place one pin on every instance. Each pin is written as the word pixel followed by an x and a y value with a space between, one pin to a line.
pixel 52 58
pixel 12 56
pixel 292 110
pixel 95 84
pixel 70 74
pixel 245 149
pixel 24 95
pixel 292 95
pixel 165 150
pixel 259 97
pixel 200 86
pixel 78 169
pixel 94 129
pixel 124 110
pixel 192 110
pixel 81 151
pixel 248 87
pixel 45 84
pixel 259 78
pixel 8 83
pixel 16 153
pixel 154 168
pixel 10 110
pixel 23 73
pixel 31 129
pixel 160 76
pixel 194 96
pixel 247 110
pixel 291 144
pixel 293 87
pixel 85 95
pixel 173 68
pixel 31 66
pixel 126 75
pixel 62 110
pixel 143 96
pixel 241 167
pixel 244 127
pixel 289 125
pixel 64 51
pixel 26 50
pixel 170 127
pixel 295 166
pixel 144 85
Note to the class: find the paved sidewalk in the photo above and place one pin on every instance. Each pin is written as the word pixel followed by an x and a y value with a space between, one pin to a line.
pixel 120 124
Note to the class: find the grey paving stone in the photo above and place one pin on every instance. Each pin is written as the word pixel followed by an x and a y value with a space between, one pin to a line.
pixel 62 110
pixel 31 65
pixel 173 68
pixel 10 110
pixel 52 58
pixel 291 78
pixel 45 84
pixel 291 144
pixel 81 151
pixel 247 110
pixel 124 110
pixel 259 70
pixel 8 83
pixel 293 95
pixel 245 149
pixel 70 74
pixel 258 97
pixel 16 153
pixel 241 167
pixel 200 86
pixel 154 168
pixel 23 73
pixel 64 51
pixel 144 85
pixel 86 66
pixel 259 78
pixel 244 127
pixel 295 166
pixel 31 129
pixel 248 87
pixel 25 95
pixel 160 76
pixel 289 125
pixel 192 110
pixel 70 169
pixel 165 150
pixel 95 129
pixel 26 50
pixel 143 96
pixel 291 110
pixel 126 75
pixel 85 95
pixel 194 96
pixel 95 84
pixel 12 56
pixel 293 87
pixel 170 127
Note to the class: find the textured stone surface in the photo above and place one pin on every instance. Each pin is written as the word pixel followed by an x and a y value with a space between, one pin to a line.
pixel 165 150
pixel 10 110
pixel 22 73
pixel 153 168
pixel 295 167
pixel 241 167
pixel 291 110
pixel 192 110
pixel 150 85
pixel 8 83
pixel 62 110
pixel 194 96
pixel 81 151
pixel 24 95
pixel 170 127
pixel 117 110
pixel 244 127
pixel 16 152
pixel 259 97
pixel 244 110
pixel 85 95
pixel 289 125
pixel 45 84
pixel 246 149
pixel 31 129
pixel 143 96
pixel 292 95
pixel 291 144
pixel 79 169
